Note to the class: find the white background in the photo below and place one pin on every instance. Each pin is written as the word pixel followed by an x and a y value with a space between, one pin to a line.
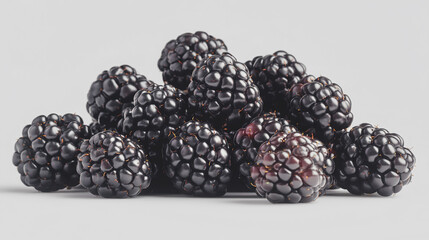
pixel 51 51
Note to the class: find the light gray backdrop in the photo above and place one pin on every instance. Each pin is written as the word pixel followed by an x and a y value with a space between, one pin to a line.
pixel 51 51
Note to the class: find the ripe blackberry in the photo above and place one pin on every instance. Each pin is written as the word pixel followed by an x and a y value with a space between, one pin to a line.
pixel 157 111
pixel 287 169
pixel 111 165
pixel 46 154
pixel 112 92
pixel 274 74
pixel 222 92
pixel 370 159
pixel 248 140
pixel 180 56
pixel 198 160
pixel 318 107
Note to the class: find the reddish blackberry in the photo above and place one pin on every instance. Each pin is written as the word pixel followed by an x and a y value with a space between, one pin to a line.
pixel 222 92
pixel 157 112
pixel 274 74
pixel 112 91
pixel 111 165
pixel 198 160
pixel 287 169
pixel 247 141
pixel 46 154
pixel 180 56
pixel 318 107
pixel 370 159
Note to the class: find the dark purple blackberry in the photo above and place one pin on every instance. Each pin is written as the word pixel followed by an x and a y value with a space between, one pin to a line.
pixel 274 74
pixel 370 159
pixel 287 169
pixel 222 93
pixel 111 165
pixel 46 154
pixel 198 160
pixel 247 141
pixel 112 92
pixel 157 111
pixel 180 56
pixel 318 108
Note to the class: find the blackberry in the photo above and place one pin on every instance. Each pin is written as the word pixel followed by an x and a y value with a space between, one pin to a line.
pixel 198 160
pixel 248 140
pixel 318 107
pixel 274 74
pixel 222 93
pixel 287 169
pixel 370 159
pixel 157 111
pixel 46 154
pixel 112 92
pixel 111 165
pixel 180 56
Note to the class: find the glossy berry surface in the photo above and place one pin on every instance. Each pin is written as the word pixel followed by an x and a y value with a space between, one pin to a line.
pixel 370 159
pixel 247 141
pixel 156 112
pixel 112 92
pixel 198 160
pixel 111 165
pixel 287 169
pixel 180 56
pixel 46 154
pixel 222 93
pixel 274 74
pixel 318 108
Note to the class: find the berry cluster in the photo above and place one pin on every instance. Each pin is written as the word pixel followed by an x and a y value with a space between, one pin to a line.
pixel 216 125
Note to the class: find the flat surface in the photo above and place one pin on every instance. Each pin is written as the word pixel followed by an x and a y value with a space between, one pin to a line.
pixel 51 51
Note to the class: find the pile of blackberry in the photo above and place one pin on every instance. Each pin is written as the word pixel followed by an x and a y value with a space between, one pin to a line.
pixel 216 126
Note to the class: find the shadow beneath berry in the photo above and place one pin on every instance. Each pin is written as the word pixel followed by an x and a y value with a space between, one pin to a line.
pixel 23 189
pixel 165 195
pixel 342 193
pixel 30 190
pixel 252 201
pixel 179 195
pixel 241 195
